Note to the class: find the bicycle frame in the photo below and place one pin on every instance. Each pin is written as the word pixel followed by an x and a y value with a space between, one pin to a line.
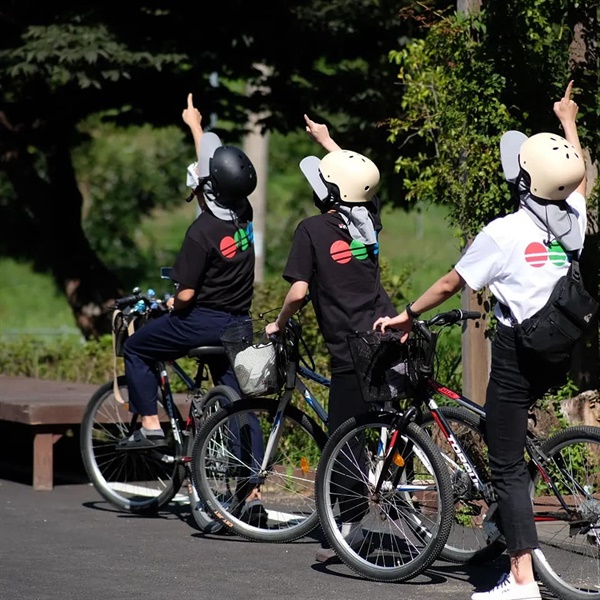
pixel 532 445
pixel 294 372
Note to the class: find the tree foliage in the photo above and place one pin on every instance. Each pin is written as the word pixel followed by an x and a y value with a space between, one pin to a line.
pixel 472 78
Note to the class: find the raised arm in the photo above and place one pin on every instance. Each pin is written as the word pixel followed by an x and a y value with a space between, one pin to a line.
pixel 566 111
pixel 193 119
pixel 320 133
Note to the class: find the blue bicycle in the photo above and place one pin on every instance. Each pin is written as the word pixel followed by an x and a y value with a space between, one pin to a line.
pixel 228 465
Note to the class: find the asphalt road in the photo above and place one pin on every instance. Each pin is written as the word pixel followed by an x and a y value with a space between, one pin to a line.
pixel 70 544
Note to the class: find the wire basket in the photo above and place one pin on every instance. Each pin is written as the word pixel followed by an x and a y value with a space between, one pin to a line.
pixel 386 368
pixel 256 362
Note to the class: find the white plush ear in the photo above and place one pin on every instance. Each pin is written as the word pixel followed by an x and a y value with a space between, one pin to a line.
pixel 510 146
pixel 310 168
pixel 208 144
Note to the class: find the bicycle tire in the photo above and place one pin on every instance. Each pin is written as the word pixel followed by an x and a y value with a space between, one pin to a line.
pixel 567 559
pixel 406 525
pixel 468 543
pixel 135 481
pixel 217 397
pixel 222 467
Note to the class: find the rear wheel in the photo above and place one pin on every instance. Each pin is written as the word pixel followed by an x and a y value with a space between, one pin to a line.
pixel 134 480
pixel 226 467
pixel 567 559
pixel 204 407
pixel 400 529
pixel 471 539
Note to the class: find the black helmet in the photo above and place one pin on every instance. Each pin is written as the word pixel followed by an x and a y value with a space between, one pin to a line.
pixel 232 175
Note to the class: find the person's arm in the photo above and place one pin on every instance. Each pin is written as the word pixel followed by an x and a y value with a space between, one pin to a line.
pixel 445 287
pixel 182 298
pixel 566 111
pixel 292 303
pixel 320 133
pixel 193 119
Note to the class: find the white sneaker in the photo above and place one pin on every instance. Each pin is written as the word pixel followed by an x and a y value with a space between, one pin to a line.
pixel 507 589
pixel 353 535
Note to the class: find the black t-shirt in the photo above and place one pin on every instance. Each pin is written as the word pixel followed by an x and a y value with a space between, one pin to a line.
pixel 217 260
pixel 344 281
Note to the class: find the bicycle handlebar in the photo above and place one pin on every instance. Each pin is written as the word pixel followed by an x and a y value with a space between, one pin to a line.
pixel 453 316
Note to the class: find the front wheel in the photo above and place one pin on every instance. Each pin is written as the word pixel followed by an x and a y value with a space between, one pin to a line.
pixel 567 559
pixel 134 480
pixel 204 407
pixel 399 516
pixel 227 469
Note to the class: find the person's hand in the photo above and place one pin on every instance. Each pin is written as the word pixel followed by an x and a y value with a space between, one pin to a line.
pixel 320 134
pixel 191 115
pixel 171 302
pixel 402 321
pixel 566 109
pixel 272 329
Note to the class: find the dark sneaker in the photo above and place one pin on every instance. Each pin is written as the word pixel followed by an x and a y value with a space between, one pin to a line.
pixel 140 441
pixel 255 514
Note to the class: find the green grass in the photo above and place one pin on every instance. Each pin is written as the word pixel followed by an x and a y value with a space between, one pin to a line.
pixel 30 302
pixel 423 242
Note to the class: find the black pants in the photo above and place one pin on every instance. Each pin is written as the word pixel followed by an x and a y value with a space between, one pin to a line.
pixel 346 401
pixel 516 382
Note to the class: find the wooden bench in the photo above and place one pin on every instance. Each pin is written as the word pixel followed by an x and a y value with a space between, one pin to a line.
pixel 51 408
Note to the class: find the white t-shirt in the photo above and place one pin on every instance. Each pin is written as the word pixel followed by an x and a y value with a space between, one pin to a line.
pixel 509 256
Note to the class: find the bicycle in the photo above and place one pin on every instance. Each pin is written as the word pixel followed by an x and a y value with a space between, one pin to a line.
pixel 226 467
pixel 459 433
pixel 565 485
pixel 142 481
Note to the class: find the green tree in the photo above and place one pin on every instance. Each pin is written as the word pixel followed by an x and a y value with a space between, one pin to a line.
pixel 62 62
pixel 473 77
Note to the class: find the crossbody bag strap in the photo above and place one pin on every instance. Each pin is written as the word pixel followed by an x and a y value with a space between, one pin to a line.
pixel 507 314
pixel 116 391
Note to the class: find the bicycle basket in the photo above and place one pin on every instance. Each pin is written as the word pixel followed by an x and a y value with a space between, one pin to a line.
pixel 125 325
pixel 255 362
pixel 383 366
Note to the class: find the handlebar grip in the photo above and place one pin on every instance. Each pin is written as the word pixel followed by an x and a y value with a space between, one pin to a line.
pixel 470 314
pixel 126 301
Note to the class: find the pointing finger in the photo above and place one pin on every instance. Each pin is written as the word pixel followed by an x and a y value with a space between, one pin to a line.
pixel 568 90
pixel 190 101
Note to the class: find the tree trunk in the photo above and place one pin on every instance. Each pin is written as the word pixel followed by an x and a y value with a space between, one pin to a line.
pixel 55 240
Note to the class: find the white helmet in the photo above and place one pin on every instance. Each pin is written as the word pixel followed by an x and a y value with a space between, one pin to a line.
pixel 554 166
pixel 355 176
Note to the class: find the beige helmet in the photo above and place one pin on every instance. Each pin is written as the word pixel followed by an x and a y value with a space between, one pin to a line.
pixel 355 175
pixel 553 165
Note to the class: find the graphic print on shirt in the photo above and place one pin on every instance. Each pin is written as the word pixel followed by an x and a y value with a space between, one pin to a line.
pixel 342 251
pixel 537 255
pixel 242 240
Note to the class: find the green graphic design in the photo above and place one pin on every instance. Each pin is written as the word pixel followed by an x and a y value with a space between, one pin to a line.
pixel 241 239
pixel 359 250
pixel 556 254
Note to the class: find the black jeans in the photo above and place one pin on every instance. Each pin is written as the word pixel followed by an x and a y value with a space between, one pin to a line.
pixel 346 401
pixel 516 382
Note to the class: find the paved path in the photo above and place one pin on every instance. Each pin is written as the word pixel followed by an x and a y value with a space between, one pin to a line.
pixel 70 544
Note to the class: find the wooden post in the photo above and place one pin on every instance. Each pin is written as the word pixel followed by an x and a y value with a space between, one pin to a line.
pixel 256 146
pixel 476 351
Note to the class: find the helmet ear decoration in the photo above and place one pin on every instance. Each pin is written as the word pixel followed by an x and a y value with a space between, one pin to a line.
pixel 510 146
pixel 209 142
pixel 310 169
